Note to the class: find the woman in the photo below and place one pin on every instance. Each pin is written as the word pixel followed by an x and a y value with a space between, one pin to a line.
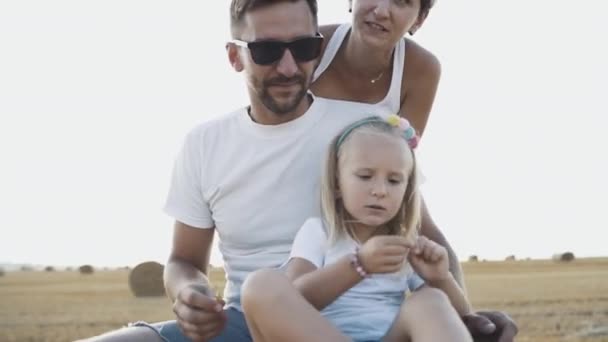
pixel 370 61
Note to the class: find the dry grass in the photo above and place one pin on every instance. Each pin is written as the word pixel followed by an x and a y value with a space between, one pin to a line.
pixel 550 301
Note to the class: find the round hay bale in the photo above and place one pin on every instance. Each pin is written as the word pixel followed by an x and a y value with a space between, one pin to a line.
pixel 1 272
pixel 146 280
pixel 49 269
pixel 86 269
pixel 563 257
pixel 473 258
pixel 510 258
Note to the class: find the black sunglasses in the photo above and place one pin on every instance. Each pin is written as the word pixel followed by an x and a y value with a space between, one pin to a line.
pixel 266 52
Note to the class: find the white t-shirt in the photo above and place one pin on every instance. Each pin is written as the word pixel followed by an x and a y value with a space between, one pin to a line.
pixel 256 184
pixel 366 311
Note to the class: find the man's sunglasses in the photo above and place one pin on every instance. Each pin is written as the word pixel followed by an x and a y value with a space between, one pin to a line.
pixel 266 52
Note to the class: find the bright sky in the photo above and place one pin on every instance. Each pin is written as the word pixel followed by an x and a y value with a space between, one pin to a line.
pixel 96 97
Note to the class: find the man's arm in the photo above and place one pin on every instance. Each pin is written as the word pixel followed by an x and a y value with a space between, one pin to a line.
pixel 189 258
pixel 431 231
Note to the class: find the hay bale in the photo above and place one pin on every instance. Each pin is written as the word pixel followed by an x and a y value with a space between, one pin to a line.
pixel 473 258
pixel 86 269
pixel 510 258
pixel 49 269
pixel 563 257
pixel 2 273
pixel 146 280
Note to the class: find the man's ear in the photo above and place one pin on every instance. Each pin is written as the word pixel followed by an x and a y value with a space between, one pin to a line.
pixel 234 57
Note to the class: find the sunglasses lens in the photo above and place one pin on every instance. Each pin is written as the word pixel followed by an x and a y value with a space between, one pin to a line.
pixel 269 52
pixel 306 49
pixel 265 53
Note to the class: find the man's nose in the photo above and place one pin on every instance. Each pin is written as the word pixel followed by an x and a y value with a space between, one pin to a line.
pixel 287 65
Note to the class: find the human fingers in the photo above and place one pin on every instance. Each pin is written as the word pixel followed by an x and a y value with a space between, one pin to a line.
pixel 438 253
pixel 394 250
pixel 192 331
pixel 399 241
pixel 195 315
pixel 419 244
pixel 506 328
pixel 198 297
pixel 393 260
pixel 210 331
pixel 428 253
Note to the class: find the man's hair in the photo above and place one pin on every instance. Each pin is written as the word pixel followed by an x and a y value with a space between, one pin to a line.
pixel 238 9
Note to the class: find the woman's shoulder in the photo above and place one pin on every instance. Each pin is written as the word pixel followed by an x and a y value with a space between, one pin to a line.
pixel 419 62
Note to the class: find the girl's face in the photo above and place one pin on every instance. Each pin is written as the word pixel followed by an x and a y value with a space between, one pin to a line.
pixel 373 171
pixel 382 23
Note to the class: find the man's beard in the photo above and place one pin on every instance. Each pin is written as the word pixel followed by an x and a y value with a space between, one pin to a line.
pixel 284 107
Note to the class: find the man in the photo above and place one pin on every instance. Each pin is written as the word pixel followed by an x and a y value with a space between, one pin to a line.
pixel 253 176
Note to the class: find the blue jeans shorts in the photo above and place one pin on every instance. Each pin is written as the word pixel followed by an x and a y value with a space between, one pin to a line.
pixel 235 331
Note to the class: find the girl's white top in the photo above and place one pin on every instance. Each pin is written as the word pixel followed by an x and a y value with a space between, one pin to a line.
pixel 367 310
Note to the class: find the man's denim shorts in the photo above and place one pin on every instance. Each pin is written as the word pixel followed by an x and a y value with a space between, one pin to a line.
pixel 235 331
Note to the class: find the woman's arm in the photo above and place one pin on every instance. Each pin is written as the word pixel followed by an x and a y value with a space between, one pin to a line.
pixel 421 74
pixel 321 286
pixel 429 229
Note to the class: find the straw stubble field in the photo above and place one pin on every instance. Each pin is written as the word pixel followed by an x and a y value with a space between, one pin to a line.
pixel 550 301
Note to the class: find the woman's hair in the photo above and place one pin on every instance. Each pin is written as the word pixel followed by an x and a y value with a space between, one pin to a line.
pixel 335 216
pixel 425 7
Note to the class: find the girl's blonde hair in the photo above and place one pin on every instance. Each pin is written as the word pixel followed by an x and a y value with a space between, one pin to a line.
pixel 337 220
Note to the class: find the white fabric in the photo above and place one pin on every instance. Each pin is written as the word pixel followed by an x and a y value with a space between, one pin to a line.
pixel 367 310
pixel 392 100
pixel 256 184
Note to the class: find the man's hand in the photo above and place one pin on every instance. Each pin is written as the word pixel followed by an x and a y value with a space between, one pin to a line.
pixel 491 326
pixel 199 314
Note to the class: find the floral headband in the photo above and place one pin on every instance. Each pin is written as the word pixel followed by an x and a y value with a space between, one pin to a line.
pixel 408 132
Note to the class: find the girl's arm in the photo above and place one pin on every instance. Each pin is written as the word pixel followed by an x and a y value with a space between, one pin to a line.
pixel 321 286
pixel 430 261
pixel 306 269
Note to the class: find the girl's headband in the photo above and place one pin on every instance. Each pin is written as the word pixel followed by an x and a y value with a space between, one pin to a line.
pixel 408 131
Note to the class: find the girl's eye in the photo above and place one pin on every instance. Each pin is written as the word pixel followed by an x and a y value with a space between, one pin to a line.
pixel 402 2
pixel 364 177
pixel 394 181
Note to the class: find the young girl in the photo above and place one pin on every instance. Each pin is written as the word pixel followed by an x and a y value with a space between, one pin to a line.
pixel 352 263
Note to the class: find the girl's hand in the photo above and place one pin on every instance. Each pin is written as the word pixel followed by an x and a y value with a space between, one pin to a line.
pixel 429 260
pixel 384 253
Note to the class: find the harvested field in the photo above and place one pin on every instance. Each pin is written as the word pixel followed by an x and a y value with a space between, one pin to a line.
pixel 550 301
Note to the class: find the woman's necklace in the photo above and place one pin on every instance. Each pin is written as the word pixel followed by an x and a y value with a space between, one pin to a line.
pixel 374 80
